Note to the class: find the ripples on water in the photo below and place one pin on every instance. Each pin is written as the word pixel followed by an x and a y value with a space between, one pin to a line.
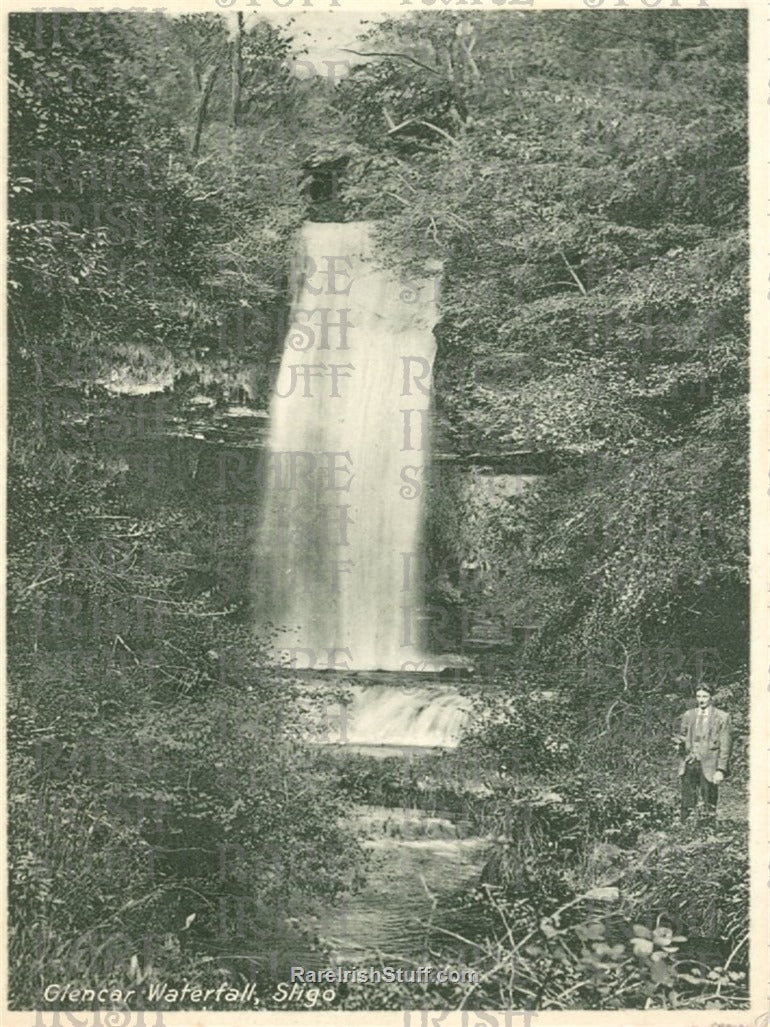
pixel 415 860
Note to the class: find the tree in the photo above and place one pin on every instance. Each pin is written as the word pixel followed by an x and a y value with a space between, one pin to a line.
pixel 236 71
pixel 127 248
pixel 203 38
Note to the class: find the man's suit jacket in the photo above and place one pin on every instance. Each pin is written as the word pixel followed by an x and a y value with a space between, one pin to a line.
pixel 716 754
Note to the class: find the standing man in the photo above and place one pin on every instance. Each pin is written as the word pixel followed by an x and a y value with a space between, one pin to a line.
pixel 704 745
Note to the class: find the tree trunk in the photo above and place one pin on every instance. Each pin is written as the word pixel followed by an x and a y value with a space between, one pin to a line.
pixel 203 103
pixel 236 73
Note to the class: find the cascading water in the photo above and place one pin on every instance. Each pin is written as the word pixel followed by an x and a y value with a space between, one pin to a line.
pixel 404 716
pixel 340 537
pixel 339 575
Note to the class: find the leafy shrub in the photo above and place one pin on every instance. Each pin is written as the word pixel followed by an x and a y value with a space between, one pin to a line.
pixel 79 874
pixel 529 730
pixel 207 816
pixel 451 783
pixel 698 883
pixel 594 899
pixel 165 808
pixel 605 961
pixel 545 830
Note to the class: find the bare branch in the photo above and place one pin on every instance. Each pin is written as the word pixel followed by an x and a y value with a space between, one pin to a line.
pixel 418 121
pixel 385 53
pixel 572 271
pixel 471 62
pixel 392 127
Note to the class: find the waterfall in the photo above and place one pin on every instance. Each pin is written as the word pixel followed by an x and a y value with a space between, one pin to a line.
pixel 425 716
pixel 338 574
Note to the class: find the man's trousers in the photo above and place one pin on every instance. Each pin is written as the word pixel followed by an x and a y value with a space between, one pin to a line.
pixel 694 786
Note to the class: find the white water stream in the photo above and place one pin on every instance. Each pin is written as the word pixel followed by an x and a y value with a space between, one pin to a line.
pixel 341 531
pixel 423 716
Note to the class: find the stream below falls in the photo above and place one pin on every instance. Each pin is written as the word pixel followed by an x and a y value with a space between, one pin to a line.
pixel 417 857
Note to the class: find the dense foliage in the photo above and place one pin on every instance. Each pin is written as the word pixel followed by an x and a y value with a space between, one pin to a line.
pixel 583 180
pixel 124 229
pixel 166 811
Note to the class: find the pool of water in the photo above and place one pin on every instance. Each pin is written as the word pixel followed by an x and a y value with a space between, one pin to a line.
pixel 416 861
